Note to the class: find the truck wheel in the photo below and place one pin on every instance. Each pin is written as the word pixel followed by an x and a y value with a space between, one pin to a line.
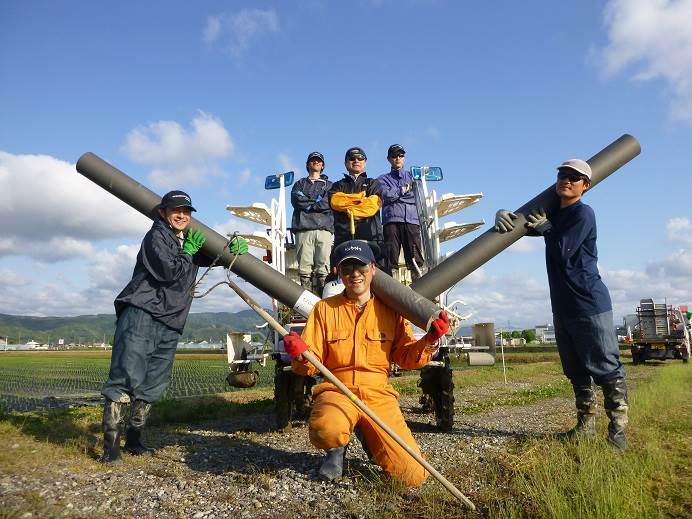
pixel 444 397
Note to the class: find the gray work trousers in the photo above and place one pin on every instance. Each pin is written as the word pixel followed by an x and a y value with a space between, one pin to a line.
pixel 142 358
pixel 588 348
pixel 313 249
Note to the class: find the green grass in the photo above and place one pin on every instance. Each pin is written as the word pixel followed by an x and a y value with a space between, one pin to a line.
pixel 588 479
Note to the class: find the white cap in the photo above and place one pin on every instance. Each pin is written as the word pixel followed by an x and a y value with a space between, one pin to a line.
pixel 578 165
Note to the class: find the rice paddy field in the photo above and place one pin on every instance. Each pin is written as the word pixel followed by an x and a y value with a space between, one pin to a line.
pixel 31 380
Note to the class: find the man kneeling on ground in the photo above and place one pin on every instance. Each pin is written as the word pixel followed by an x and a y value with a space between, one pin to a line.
pixel 357 338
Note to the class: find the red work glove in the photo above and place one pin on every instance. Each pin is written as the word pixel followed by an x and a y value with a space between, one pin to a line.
pixel 295 346
pixel 438 328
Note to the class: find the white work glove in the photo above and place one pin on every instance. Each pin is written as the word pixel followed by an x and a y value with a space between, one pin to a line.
pixel 503 220
pixel 538 221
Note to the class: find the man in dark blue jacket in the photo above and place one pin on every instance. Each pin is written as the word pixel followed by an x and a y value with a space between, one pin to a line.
pixel 151 312
pixel 313 224
pixel 582 309
pixel 356 180
pixel 399 214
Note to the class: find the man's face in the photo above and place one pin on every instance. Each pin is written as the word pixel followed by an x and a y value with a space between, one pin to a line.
pixel 315 166
pixel 178 218
pixel 356 277
pixel 355 164
pixel 570 185
pixel 397 160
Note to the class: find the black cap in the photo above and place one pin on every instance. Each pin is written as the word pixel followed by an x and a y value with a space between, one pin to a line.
pixel 355 151
pixel 315 155
pixel 354 249
pixel 394 149
pixel 174 199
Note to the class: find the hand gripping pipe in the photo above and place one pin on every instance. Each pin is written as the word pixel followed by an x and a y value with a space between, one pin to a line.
pixel 490 243
pixel 412 306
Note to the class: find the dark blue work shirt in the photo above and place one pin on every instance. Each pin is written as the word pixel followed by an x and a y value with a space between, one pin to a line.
pixel 576 289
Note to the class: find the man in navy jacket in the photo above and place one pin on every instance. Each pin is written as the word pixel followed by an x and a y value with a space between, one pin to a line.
pixel 582 309
pixel 313 224
pixel 151 312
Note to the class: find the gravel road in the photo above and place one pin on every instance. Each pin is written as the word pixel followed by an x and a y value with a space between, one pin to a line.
pixel 240 467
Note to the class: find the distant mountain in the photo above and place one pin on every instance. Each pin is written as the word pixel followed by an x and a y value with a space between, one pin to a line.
pixel 210 326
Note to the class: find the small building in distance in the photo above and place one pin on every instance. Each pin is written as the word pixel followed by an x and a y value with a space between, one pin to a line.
pixel 545 333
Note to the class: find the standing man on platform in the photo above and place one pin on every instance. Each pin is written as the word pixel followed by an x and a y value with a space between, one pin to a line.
pixel 399 214
pixel 313 224
pixel 356 200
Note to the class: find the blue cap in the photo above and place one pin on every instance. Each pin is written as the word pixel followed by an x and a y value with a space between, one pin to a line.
pixel 354 249
pixel 175 199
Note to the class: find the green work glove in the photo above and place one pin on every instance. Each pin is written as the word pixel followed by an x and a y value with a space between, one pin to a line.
pixel 193 241
pixel 238 246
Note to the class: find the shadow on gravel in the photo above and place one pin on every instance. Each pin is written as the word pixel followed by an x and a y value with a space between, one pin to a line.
pixel 471 431
pixel 219 455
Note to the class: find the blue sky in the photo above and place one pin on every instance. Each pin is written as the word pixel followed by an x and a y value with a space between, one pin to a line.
pixel 211 97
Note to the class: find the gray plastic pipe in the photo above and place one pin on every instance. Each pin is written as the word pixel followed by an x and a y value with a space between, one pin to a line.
pixel 490 243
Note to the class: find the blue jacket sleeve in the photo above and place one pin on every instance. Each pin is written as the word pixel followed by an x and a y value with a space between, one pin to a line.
pixel 391 190
pixel 564 242
pixel 299 200
pixel 323 205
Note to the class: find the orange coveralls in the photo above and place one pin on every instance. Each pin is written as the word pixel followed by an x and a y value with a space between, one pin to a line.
pixel 358 347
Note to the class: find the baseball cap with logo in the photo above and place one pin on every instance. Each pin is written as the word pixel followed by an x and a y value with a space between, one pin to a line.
pixel 315 155
pixel 354 249
pixel 578 165
pixel 174 199
pixel 354 152
pixel 395 149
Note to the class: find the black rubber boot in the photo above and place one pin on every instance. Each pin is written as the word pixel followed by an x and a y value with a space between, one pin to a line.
pixel 585 401
pixel 133 434
pixel 616 406
pixel 318 285
pixel 332 467
pixel 112 419
pixel 306 282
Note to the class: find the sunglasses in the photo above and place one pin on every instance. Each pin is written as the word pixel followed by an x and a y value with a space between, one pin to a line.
pixel 346 269
pixel 397 156
pixel 572 177
pixel 353 158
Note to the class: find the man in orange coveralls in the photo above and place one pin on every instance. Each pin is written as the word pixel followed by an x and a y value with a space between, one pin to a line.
pixel 357 338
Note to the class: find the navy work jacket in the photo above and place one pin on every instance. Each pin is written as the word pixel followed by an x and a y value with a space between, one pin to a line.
pixel 310 202
pixel 163 278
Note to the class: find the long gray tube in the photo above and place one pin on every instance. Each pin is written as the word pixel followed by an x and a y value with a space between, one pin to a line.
pixel 412 306
pixel 490 243
pixel 134 194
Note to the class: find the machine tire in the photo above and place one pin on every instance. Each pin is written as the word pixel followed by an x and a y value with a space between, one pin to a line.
pixel 444 400
pixel 437 385
pixel 283 403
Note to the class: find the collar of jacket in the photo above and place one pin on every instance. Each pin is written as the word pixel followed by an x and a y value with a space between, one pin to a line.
pixel 164 224
pixel 351 177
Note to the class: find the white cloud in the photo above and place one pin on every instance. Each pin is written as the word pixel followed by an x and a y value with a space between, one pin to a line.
pixel 679 230
pixel 240 29
pixel 178 156
pixel 9 278
pixel 651 39
pixel 527 245
pixel 51 212
pixel 287 163
pixel 212 29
